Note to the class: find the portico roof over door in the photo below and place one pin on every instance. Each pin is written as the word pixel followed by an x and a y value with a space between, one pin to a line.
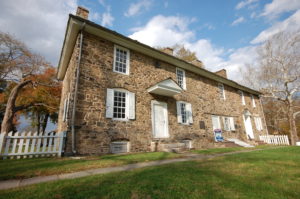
pixel 166 87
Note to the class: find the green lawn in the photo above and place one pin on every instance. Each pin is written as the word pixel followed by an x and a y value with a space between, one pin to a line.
pixel 268 174
pixel 229 149
pixel 26 168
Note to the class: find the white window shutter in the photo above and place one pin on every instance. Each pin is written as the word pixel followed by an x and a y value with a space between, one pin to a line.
pixel 256 123
pixel 232 127
pixel 68 106
pixel 184 80
pixel 224 124
pixel 131 104
pixel 179 117
pixel 260 124
pixel 65 109
pixel 190 113
pixel 109 103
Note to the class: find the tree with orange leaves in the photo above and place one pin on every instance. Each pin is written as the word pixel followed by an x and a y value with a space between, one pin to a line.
pixel 27 75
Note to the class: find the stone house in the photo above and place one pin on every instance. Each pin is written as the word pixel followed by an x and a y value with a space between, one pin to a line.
pixel 131 97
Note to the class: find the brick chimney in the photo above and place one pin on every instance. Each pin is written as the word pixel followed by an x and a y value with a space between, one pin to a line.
pixel 168 50
pixel 198 63
pixel 82 12
pixel 222 73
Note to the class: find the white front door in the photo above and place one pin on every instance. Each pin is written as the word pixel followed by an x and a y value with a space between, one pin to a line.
pixel 159 119
pixel 248 126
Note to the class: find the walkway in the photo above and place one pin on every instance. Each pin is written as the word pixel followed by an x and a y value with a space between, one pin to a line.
pixel 8 184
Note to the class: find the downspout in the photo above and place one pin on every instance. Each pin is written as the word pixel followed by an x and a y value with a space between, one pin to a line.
pixel 75 91
pixel 262 109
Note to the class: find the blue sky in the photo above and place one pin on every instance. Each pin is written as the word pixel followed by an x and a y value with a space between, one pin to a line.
pixel 223 33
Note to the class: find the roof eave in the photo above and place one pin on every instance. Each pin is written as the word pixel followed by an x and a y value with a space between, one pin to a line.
pixel 76 22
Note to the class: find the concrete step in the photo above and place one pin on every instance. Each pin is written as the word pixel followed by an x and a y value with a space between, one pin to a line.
pixel 240 142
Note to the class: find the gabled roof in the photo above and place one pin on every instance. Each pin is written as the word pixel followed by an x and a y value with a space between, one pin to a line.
pixel 75 23
pixel 167 87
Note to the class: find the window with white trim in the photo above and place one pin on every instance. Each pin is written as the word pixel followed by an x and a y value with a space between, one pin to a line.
pixel 121 60
pixel 184 112
pixel 180 75
pixel 222 91
pixel 258 123
pixel 253 101
pixel 66 108
pixel 216 124
pixel 228 124
pixel 242 97
pixel 120 104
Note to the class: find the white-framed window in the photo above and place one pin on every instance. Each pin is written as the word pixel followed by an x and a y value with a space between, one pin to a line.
pixel 180 75
pixel 253 101
pixel 222 91
pixel 228 124
pixel 242 97
pixel 184 112
pixel 121 60
pixel 120 104
pixel 66 107
pixel 216 124
pixel 258 123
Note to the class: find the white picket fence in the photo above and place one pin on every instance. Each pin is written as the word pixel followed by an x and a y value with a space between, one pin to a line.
pixel 28 145
pixel 275 139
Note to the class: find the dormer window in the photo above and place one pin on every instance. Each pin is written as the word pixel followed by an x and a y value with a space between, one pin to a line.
pixel 180 75
pixel 121 60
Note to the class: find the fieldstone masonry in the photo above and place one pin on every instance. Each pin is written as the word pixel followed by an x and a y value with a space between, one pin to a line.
pixel 95 132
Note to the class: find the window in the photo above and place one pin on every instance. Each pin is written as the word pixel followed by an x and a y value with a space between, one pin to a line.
pixel 222 91
pixel 258 123
pixel 253 101
pixel 216 122
pixel 184 113
pixel 180 74
pixel 242 97
pixel 120 104
pixel 121 60
pixel 228 124
pixel 66 107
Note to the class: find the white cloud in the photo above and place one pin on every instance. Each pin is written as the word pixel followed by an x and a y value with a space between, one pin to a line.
pixel 158 30
pixel 290 24
pixel 238 21
pixel 39 24
pixel 136 8
pixel 107 18
pixel 277 7
pixel 244 3
pixel 238 59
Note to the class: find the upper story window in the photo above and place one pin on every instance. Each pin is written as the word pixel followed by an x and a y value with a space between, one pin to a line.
pixel 184 113
pixel 222 91
pixel 180 75
pixel 120 104
pixel 253 101
pixel 121 60
pixel 242 97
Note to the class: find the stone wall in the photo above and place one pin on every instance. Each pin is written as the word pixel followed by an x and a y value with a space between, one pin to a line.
pixel 94 132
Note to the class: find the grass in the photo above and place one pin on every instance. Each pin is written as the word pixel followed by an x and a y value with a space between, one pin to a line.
pixel 228 149
pixel 272 173
pixel 26 168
